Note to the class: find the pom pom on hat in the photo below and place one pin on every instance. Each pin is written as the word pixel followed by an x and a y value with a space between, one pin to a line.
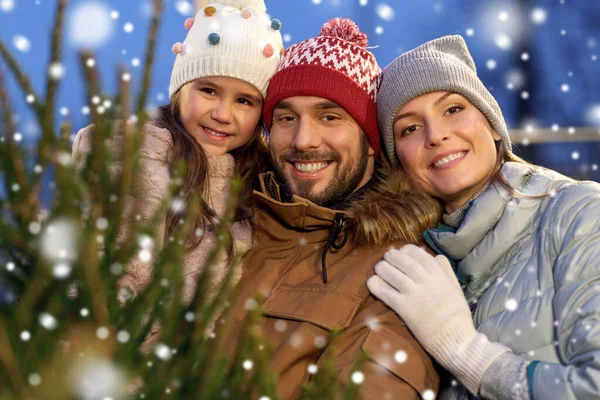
pixel 345 29
pixel 259 5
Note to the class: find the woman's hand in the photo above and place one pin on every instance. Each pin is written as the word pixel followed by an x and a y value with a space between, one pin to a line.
pixel 422 289
pixel 425 293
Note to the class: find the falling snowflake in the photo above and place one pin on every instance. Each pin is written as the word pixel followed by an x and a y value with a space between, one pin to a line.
pixel 59 241
pixel 428 395
pixel 128 27
pixel 102 333
pixel 123 336
pixel 491 64
pixel 358 377
pixel 56 71
pixel 7 5
pixel 61 270
pixel 25 336
pixel 95 378
pixel 538 16
pixel 21 43
pixel 511 304
pixel 163 351
pixel 247 365
pixel 400 356
pixel 385 12
pixel 312 369
pixel 503 41
pixel 185 8
pixel 90 25
pixel 592 114
pixel 47 321
pixel 34 379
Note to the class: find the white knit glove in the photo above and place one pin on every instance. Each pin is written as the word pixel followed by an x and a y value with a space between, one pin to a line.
pixel 424 291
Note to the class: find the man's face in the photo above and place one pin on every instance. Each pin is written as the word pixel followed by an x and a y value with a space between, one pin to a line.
pixel 319 152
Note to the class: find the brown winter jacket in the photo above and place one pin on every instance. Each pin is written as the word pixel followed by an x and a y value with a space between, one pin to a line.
pixel 285 267
pixel 152 182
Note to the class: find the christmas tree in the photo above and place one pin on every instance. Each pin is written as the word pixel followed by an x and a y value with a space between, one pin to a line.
pixel 65 331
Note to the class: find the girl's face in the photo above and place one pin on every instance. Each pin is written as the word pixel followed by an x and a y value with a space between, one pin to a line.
pixel 220 113
pixel 446 146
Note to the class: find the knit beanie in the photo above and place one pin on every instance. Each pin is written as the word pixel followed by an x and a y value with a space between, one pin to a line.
pixel 334 65
pixel 443 64
pixel 229 38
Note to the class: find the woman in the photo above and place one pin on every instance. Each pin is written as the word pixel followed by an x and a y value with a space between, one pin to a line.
pixel 519 242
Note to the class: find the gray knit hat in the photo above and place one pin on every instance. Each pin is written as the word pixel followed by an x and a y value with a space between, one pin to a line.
pixel 443 64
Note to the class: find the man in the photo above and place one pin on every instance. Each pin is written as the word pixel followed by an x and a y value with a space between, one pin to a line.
pixel 323 218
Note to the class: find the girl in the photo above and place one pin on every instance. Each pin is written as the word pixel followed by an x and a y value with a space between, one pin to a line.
pixel 519 242
pixel 216 92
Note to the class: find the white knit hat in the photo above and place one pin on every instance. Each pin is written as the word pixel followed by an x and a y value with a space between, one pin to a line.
pixel 229 38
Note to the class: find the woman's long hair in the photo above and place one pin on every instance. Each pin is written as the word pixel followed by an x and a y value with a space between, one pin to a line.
pixel 249 159
pixel 503 155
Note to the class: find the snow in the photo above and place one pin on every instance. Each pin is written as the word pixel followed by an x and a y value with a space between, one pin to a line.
pixel 385 12
pixel 90 25
pixel 21 43
pixel 7 6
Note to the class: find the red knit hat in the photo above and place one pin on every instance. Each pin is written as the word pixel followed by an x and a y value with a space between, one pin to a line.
pixel 335 65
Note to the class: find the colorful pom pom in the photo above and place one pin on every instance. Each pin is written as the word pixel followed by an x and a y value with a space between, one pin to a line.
pixel 214 38
pixel 188 23
pixel 210 11
pixel 344 29
pixel 177 48
pixel 259 5
pixel 276 24
pixel 268 51
pixel 246 13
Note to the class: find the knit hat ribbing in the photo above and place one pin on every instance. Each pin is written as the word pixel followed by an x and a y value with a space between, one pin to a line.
pixel 334 65
pixel 443 64
pixel 230 38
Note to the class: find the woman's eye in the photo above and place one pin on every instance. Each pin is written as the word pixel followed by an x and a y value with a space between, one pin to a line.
pixel 408 130
pixel 453 110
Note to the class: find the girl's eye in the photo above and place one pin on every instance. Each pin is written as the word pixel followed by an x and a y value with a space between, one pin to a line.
pixel 286 118
pixel 208 90
pixel 244 101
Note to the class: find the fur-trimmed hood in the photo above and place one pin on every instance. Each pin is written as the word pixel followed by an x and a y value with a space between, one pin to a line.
pixel 391 209
pixel 394 209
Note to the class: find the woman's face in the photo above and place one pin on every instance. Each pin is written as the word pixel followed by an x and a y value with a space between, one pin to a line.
pixel 220 113
pixel 446 146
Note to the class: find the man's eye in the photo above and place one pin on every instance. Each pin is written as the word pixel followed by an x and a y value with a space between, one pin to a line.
pixel 330 118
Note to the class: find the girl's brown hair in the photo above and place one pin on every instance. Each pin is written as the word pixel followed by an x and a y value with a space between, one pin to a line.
pixel 250 160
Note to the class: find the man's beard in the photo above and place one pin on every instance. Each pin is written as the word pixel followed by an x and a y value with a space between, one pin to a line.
pixel 349 174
